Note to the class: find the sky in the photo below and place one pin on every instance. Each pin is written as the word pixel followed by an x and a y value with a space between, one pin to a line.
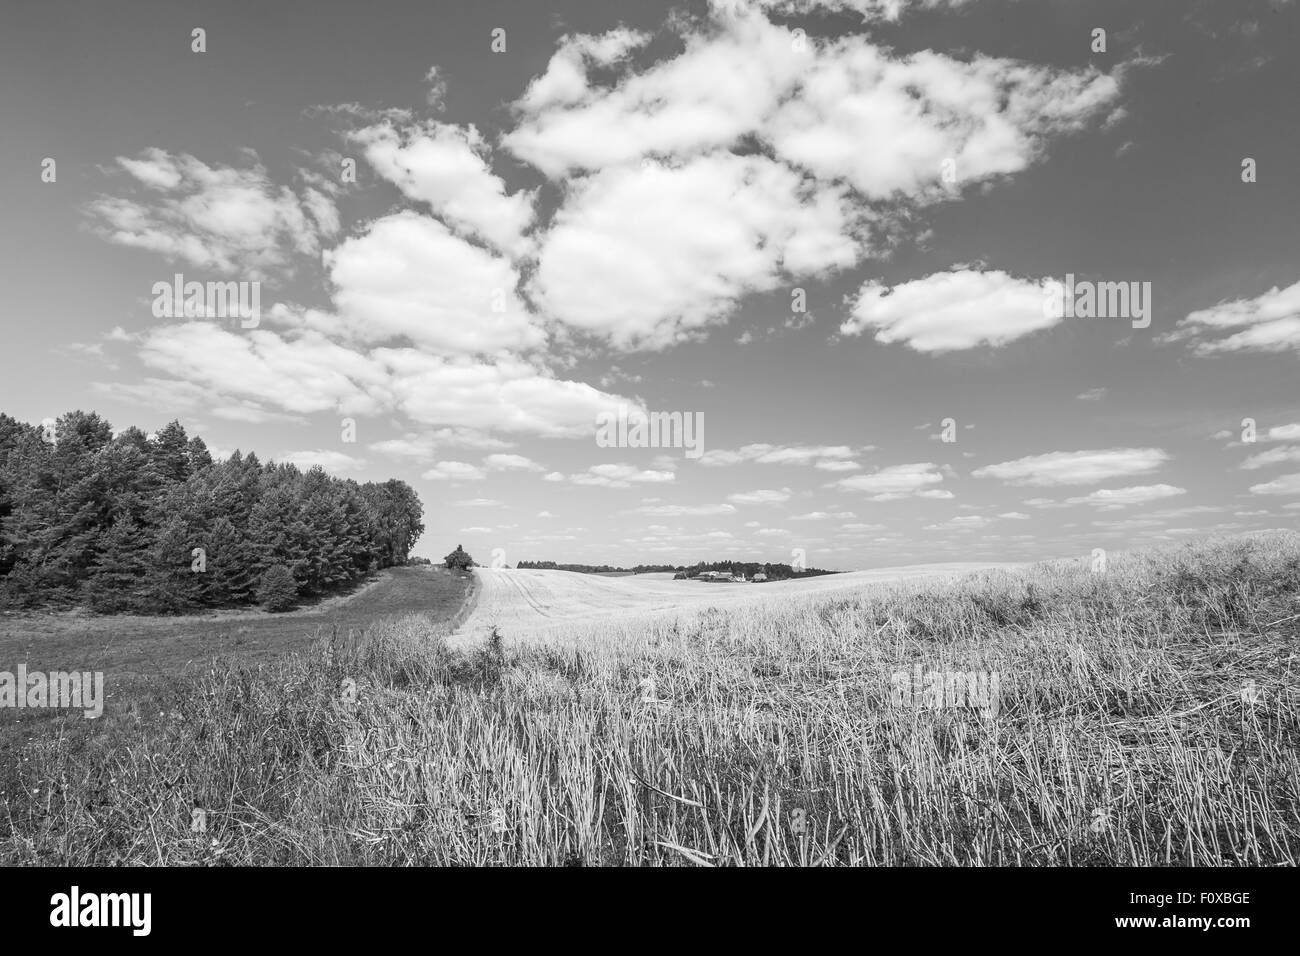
pixel 835 233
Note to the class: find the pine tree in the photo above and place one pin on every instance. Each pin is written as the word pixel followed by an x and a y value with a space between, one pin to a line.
pixel 277 590
pixel 117 581
pixel 170 453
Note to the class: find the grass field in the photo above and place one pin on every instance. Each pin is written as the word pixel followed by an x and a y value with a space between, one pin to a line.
pixel 1148 716
pixel 136 652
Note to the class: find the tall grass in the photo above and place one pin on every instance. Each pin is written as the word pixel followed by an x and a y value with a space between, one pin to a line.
pixel 1148 717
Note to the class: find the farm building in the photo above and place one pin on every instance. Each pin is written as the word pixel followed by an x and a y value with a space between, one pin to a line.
pixel 759 576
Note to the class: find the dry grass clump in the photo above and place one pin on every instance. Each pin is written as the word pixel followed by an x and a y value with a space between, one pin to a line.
pixel 1147 716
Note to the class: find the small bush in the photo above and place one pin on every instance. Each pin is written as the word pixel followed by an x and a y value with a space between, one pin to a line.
pixel 459 560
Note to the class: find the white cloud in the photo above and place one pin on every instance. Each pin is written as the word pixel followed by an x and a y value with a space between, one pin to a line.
pixel 824 457
pixel 765 496
pixel 500 462
pixel 898 481
pixel 1112 499
pixel 1283 433
pixel 827 108
pixel 1286 485
pixel 991 117
pixel 507 395
pixel 951 310
pixel 961 523
pixel 685 510
pixel 620 476
pixel 1075 467
pixel 424 446
pixel 232 221
pixel 565 78
pixel 1270 322
pixel 408 277
pixel 676 248
pixel 303 375
pixel 306 372
pixel 1273 456
pixel 454 471
pixel 446 166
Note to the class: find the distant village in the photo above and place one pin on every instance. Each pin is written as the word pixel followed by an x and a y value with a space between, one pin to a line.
pixel 758 577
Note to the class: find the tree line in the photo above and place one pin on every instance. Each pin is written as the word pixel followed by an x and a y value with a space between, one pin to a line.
pixel 774 572
pixel 595 568
pixel 153 524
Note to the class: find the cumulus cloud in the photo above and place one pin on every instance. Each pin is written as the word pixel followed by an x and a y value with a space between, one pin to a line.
pixel 223 219
pixel 620 476
pixel 1286 485
pixel 1283 433
pixel 1112 499
pixel 408 277
pixel 1075 467
pixel 819 107
pixel 423 446
pixel 898 481
pixel 1273 456
pixel 454 471
pixel 648 256
pixel 565 79
pixel 447 167
pixel 763 496
pixel 686 510
pixel 1269 322
pixel 948 311
pixel 306 372
pixel 824 457
pixel 961 523
pixel 501 462
pixel 507 395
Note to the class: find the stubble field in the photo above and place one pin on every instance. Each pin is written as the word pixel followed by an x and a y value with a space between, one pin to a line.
pixel 1147 716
